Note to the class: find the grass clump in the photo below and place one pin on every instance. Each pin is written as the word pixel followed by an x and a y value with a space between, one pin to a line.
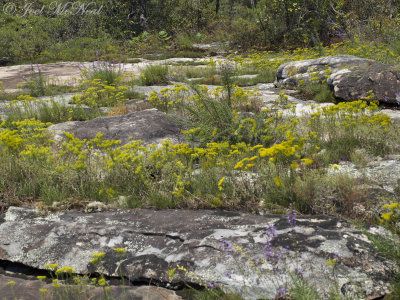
pixel 26 107
pixel 319 92
pixel 154 74
pixel 109 73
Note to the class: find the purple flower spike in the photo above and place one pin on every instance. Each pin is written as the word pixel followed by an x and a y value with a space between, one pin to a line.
pixel 271 231
pixel 336 256
pixel 291 217
pixel 298 271
pixel 282 292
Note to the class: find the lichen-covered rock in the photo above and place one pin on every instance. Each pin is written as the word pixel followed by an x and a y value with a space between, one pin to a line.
pixel 350 77
pixel 290 74
pixel 150 126
pixel 382 80
pixel 250 254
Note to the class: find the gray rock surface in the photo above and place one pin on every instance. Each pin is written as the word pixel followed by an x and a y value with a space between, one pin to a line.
pixel 150 126
pixel 202 242
pixel 383 80
pixel 381 171
pixel 69 72
pixel 289 74
pixel 350 77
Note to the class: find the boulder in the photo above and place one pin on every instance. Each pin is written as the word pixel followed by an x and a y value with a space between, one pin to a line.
pixel 291 73
pixel 253 255
pixel 150 126
pixel 382 80
pixel 350 77
pixel 5 61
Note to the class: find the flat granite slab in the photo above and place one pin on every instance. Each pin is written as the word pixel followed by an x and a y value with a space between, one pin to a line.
pixel 253 255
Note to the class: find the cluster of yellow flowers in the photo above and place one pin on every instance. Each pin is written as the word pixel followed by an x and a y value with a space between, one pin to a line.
pixel 391 214
pixel 168 98
pixel 99 94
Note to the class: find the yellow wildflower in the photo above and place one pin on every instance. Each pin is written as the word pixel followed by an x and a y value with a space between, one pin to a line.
pixel 220 183
pixel 120 250
pixel 278 181
pixel 99 255
pixel 102 282
pixel 387 216
pixel 307 161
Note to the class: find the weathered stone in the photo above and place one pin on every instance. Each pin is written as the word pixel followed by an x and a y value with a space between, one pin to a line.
pixel 5 60
pixel 289 74
pixel 136 105
pixel 150 126
pixel 157 241
pixel 350 77
pixel 382 80
pixel 29 289
pixel 70 72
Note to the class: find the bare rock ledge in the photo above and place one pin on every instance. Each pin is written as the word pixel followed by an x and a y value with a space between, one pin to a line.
pixel 157 241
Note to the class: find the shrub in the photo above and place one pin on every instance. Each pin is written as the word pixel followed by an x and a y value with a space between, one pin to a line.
pixel 98 94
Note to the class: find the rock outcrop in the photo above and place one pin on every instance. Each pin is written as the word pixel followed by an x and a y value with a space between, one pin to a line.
pixel 291 73
pixel 150 126
pixel 350 77
pixel 250 254
pixel 356 83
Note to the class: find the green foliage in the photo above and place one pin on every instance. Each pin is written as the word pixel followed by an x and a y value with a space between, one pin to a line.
pixel 163 36
pixel 115 32
pixel 302 290
pixel 319 92
pixel 48 111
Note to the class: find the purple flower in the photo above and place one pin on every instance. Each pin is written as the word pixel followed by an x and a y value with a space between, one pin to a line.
pixel 282 292
pixel 291 217
pixel 271 255
pixel 211 285
pixel 227 246
pixel 336 256
pixel 298 271
pixel 271 231
pixel 229 275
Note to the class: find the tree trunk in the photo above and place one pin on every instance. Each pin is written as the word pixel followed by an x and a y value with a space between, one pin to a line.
pixel 142 15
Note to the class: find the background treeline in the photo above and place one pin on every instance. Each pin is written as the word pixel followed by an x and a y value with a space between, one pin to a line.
pixel 124 26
